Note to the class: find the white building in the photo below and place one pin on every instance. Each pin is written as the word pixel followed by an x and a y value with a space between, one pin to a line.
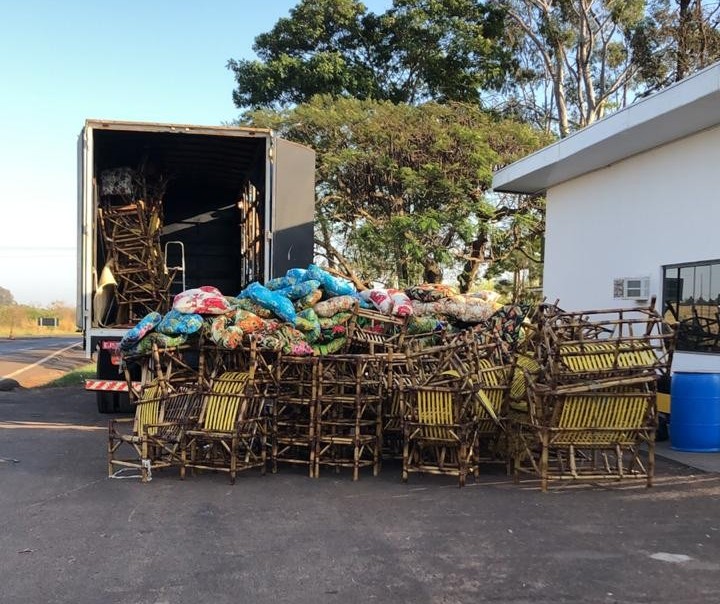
pixel 637 195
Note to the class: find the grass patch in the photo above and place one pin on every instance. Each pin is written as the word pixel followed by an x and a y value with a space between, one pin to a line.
pixel 76 377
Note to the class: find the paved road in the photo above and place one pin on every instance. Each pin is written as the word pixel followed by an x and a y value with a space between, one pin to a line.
pixel 70 534
pixel 37 360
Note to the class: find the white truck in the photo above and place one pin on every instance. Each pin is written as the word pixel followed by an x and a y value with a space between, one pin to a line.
pixel 168 207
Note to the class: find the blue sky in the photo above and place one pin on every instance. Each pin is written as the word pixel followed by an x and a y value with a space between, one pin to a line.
pixel 64 61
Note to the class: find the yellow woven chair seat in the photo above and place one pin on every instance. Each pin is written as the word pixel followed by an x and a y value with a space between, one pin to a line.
pixel 223 405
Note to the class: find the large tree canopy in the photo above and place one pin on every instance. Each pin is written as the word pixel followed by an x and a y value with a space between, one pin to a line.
pixel 580 59
pixel 417 50
pixel 403 190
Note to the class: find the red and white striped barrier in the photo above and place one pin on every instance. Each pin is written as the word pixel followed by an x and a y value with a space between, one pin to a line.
pixel 110 385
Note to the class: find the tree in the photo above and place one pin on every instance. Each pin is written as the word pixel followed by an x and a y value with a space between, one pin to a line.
pixel 677 38
pixel 6 298
pixel 403 189
pixel 416 51
pixel 579 59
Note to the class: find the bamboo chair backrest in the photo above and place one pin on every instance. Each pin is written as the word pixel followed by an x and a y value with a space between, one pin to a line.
pixel 179 410
pixel 600 357
pixel 603 343
pixel 594 412
pixel 438 413
pixel 147 409
pixel 227 401
pixel 518 387
pixel 451 364
pixel 371 331
pixel 493 381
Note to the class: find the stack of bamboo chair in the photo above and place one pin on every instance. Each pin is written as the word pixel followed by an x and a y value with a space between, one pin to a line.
pixel 454 401
pixel 589 380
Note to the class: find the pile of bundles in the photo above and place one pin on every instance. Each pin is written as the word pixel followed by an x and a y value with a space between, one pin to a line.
pixel 306 312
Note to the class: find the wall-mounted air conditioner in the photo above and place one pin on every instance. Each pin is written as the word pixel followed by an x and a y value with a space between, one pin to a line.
pixel 632 288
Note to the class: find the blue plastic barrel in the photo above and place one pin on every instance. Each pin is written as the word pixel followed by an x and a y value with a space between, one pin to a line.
pixel 695 411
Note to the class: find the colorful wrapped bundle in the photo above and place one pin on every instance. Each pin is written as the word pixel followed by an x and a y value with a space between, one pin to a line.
pixel 248 321
pixel 205 300
pixel 401 304
pixel 179 323
pixel 256 309
pixel 292 277
pixel 308 301
pixel 380 298
pixel 332 306
pixel 308 323
pixel 300 290
pixel 131 338
pixel 430 292
pixel 331 347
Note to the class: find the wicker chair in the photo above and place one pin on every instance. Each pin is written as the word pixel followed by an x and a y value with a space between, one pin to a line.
pixel 231 432
pixel 454 401
pixel 349 413
pixel 152 437
pixel 293 423
pixel 590 394
pixel 587 430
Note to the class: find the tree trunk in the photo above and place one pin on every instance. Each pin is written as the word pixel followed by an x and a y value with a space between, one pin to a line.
pixel 475 260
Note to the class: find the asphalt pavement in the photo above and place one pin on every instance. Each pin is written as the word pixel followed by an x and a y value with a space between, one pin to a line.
pixel 68 533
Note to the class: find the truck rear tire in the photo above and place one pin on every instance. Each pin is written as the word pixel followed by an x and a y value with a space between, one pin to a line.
pixel 104 402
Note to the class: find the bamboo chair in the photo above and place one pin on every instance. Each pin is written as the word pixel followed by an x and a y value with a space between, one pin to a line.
pixel 231 432
pixel 602 344
pixel 587 430
pixel 440 431
pixel 293 425
pixel 349 413
pixel 441 401
pixel 152 437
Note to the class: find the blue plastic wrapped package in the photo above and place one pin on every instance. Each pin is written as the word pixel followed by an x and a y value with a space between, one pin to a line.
pixel 281 306
pixel 292 277
pixel 279 283
pixel 300 290
pixel 297 274
pixel 333 286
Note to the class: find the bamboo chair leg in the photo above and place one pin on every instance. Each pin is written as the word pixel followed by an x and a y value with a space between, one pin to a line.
pixel 545 438
pixel 620 463
pixel 144 470
pixel 651 461
pixel 356 461
pixel 406 452
pixel 233 458
pixel 462 464
pixel 263 450
pixel 110 452
pixel 572 461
